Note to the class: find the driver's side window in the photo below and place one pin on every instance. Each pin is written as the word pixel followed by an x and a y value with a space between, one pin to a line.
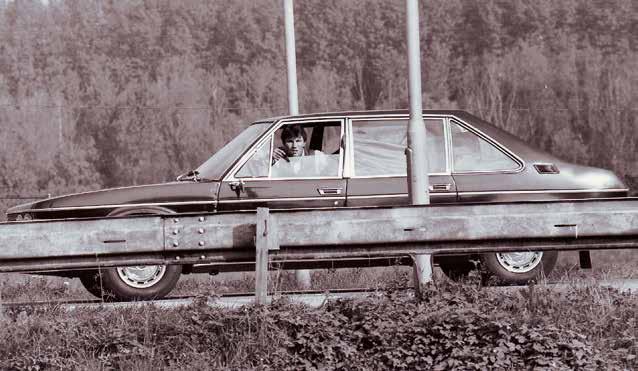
pixel 258 166
pixel 307 150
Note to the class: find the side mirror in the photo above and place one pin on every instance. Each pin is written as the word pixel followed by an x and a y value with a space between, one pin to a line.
pixel 237 186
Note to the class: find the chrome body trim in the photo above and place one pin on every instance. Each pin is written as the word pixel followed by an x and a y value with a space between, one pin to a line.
pixel 282 199
pixel 394 195
pixel 90 207
pixel 548 191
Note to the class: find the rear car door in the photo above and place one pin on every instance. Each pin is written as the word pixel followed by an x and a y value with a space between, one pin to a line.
pixel 484 170
pixel 376 168
pixel 312 180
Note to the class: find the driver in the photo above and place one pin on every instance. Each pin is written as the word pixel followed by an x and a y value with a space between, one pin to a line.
pixel 292 159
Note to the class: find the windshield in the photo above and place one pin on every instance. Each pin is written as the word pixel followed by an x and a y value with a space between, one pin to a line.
pixel 217 165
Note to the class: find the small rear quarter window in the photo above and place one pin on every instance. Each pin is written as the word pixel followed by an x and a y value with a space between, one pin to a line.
pixel 473 153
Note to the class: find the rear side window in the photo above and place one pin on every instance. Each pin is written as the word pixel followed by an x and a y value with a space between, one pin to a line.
pixel 379 147
pixel 473 153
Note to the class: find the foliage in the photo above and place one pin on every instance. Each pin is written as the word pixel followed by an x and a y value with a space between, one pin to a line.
pixel 454 327
pixel 98 94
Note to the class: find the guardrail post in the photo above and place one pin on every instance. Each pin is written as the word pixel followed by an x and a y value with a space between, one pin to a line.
pixel 266 239
pixel 422 265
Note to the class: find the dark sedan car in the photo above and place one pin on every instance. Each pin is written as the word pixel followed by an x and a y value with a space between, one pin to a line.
pixel 336 160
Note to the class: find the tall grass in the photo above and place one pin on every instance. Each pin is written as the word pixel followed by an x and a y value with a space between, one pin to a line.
pixel 455 326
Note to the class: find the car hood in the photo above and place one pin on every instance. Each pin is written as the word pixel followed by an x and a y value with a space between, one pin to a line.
pixel 173 192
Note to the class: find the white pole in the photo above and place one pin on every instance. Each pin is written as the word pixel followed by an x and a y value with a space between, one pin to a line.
pixel 418 182
pixel 302 276
pixel 291 59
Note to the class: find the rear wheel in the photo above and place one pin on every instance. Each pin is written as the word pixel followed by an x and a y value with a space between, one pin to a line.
pixel 516 268
pixel 143 282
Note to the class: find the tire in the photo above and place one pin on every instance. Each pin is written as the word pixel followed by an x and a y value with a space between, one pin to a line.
pixel 144 282
pixel 456 268
pixel 518 268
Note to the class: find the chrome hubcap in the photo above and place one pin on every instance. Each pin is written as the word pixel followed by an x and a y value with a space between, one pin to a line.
pixel 141 276
pixel 521 261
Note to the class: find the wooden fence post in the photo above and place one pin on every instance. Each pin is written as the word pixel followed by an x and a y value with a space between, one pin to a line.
pixel 266 239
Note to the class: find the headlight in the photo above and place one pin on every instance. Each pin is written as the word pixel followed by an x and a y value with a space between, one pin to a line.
pixel 19 218
pixel 27 216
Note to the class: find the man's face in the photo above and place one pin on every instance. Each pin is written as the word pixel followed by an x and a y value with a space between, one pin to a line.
pixel 294 146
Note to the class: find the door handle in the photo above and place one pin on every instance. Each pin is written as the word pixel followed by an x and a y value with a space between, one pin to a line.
pixel 440 187
pixel 329 191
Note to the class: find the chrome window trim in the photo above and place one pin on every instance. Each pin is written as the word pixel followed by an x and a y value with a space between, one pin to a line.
pixel 396 117
pixel 448 144
pixel 91 207
pixel 270 134
pixel 348 168
pixel 248 180
pixel 393 176
pixel 506 151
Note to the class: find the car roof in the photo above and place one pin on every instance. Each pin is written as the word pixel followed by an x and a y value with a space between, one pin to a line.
pixel 366 113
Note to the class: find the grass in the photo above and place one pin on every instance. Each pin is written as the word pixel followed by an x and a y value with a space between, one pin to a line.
pixel 453 326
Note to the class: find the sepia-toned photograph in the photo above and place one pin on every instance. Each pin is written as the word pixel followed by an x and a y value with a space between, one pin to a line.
pixel 319 185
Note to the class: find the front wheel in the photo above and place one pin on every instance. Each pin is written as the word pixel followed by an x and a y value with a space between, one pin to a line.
pixel 142 282
pixel 518 268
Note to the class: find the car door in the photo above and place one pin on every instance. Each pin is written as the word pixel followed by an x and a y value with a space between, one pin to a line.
pixel 485 171
pixel 312 180
pixel 376 166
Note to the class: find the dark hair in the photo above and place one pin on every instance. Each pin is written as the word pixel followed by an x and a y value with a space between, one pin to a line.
pixel 293 131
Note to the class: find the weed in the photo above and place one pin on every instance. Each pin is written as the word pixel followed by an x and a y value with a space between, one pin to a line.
pixel 454 326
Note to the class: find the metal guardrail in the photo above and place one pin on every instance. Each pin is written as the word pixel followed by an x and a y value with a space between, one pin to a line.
pixel 305 235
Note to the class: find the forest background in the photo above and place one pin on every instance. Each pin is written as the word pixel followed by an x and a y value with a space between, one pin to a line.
pixel 103 93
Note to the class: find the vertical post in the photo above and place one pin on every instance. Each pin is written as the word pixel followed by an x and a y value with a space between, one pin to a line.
pixel 265 240
pixel 418 182
pixel 422 265
pixel 291 58
pixel 302 276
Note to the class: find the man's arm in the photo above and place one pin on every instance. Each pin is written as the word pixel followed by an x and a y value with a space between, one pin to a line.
pixel 278 154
